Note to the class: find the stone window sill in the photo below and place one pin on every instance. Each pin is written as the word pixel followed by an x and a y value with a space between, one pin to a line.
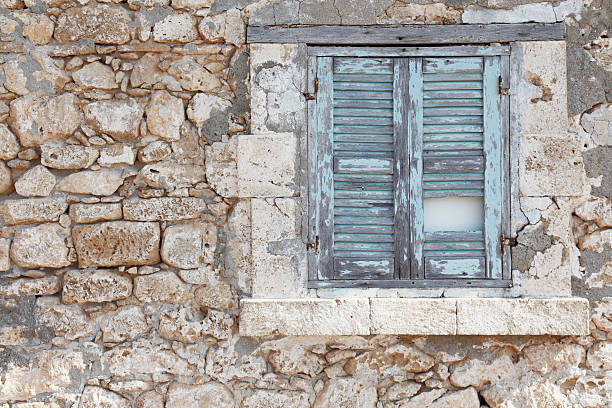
pixel 410 316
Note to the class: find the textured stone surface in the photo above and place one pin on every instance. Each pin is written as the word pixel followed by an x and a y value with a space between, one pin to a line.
pixel 69 322
pixel 117 243
pixel 164 209
pixel 401 12
pixel 98 397
pixel 95 286
pixel 192 76
pixel 9 147
pixel 154 151
pixel 102 183
pixel 43 246
pixel 161 287
pixel 95 76
pixel 36 182
pixel 170 176
pixel 33 210
pixel 276 399
pixel 176 28
pixel 89 213
pixel 427 316
pixel 45 286
pixel 202 106
pixel 186 246
pixel 5 260
pixel 103 23
pixel 116 155
pixel 118 119
pixel 124 324
pixel 165 114
pixel 347 392
pixel 67 157
pixel 6 179
pixel 209 395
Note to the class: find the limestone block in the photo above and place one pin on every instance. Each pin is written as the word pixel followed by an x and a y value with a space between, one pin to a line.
pixel 9 147
pixel 103 23
pixel 36 182
pixel 117 243
pixel 221 167
pixel 191 4
pixel 37 119
pixel 238 257
pixel 538 12
pixel 192 76
pixel 186 325
pixel 150 399
pixel 215 295
pixel 154 152
pixel 38 28
pixel 146 72
pixel 347 392
pixel 477 372
pixel 597 210
pixel 95 76
pixel 414 13
pixel 276 399
pixel 116 155
pixel 540 96
pixel 176 28
pixel 551 166
pixel 226 27
pixel 169 175
pixel 101 183
pixel 165 114
pixel 427 316
pixel 202 106
pixel 98 397
pixel 143 357
pixel 48 285
pixel 597 241
pixel 68 157
pixel 209 395
pixel 599 357
pixel 161 287
pixel 123 324
pixel 560 316
pixel 118 119
pixel 186 246
pixel 292 317
pixel 43 246
pixel 546 358
pixel 95 286
pixel 598 124
pixel 549 275
pixel 69 322
pixel 49 371
pixel 89 213
pixel 6 179
pixel 37 65
pixel 34 210
pixel 164 209
pixel 401 390
pixel 5 260
pixel 525 390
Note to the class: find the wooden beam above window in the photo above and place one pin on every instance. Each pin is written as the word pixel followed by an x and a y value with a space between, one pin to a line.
pixel 406 34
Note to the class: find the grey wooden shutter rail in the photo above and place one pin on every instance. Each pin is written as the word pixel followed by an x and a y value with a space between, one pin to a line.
pixel 406 34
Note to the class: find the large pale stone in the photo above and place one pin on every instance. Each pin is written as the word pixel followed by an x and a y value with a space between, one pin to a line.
pixel 165 114
pixel 276 399
pixel 68 157
pixel 261 317
pixel 9 147
pixel 598 123
pixel 186 246
pixel 226 27
pixel 168 175
pixel 600 356
pixel 95 76
pixel 551 166
pixel 427 316
pixel 547 358
pixel 146 72
pixel 295 359
pixel 119 119
pixel 402 390
pixel 222 167
pixel 37 119
pixel 101 183
pixel 215 295
pixel 116 155
pixel 598 210
pixel 476 372
pixel 25 73
pixel 209 395
pixel 38 28
pixel 123 324
pixel 48 285
pixel 414 13
pixel 49 371
pixel 117 243
pixel 597 241
pixel 549 274
pixel 202 106
pixel 398 360
pixel 89 213
pixel 176 28
pixel 6 179
pixel 467 398
pixel 347 393
pixel 560 316
pixel 191 4
pixel 98 397
pixel 69 322
pixel 43 246
pixel 161 287
pixel 525 390
pixel 164 209
pixel 192 76
pixel 143 357
pixel 5 259
pixel 33 211
pixel 95 286
pixel 36 182
pixel 103 23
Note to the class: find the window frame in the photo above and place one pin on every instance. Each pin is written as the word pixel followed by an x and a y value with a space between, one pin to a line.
pixel 403 53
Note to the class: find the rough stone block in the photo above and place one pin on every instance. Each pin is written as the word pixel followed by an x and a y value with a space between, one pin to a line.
pixel 95 286
pixel 413 316
pixel 186 246
pixel 5 260
pixel 48 285
pixel 117 243
pixel 103 23
pixel 293 317
pixel 36 182
pixel 551 166
pixel 89 213
pixel 100 183
pixel 35 210
pixel 119 119
pixel 43 246
pixel 161 287
pixel 560 316
pixel 164 209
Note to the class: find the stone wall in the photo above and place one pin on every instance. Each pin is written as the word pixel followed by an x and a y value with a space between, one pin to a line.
pixel 123 251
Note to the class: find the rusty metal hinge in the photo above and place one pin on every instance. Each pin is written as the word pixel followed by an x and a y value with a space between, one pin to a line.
pixel 506 241
pixel 502 90
pixel 312 96
pixel 314 245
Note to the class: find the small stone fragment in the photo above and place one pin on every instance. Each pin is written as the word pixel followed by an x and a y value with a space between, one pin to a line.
pixel 89 213
pixel 117 154
pixel 186 246
pixel 95 286
pixel 161 287
pixel 103 23
pixel 169 176
pixel 192 76
pixel 123 324
pixel 9 147
pixel 95 76
pixel 154 151
pixel 98 397
pixel 176 28
pixel 202 106
pixel 6 179
pixel 164 209
pixel 5 260
pixel 100 183
pixel 36 182
pixel 68 157
pixel 43 246
pixel 117 243
pixel 33 211
pixel 209 395
pixel 599 357
pixel 119 119
pixel 165 114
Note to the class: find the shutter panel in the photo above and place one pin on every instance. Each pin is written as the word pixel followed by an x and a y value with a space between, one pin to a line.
pixel 461 150
pixel 359 161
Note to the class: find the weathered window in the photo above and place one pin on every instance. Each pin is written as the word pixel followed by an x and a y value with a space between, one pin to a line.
pixel 408 164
